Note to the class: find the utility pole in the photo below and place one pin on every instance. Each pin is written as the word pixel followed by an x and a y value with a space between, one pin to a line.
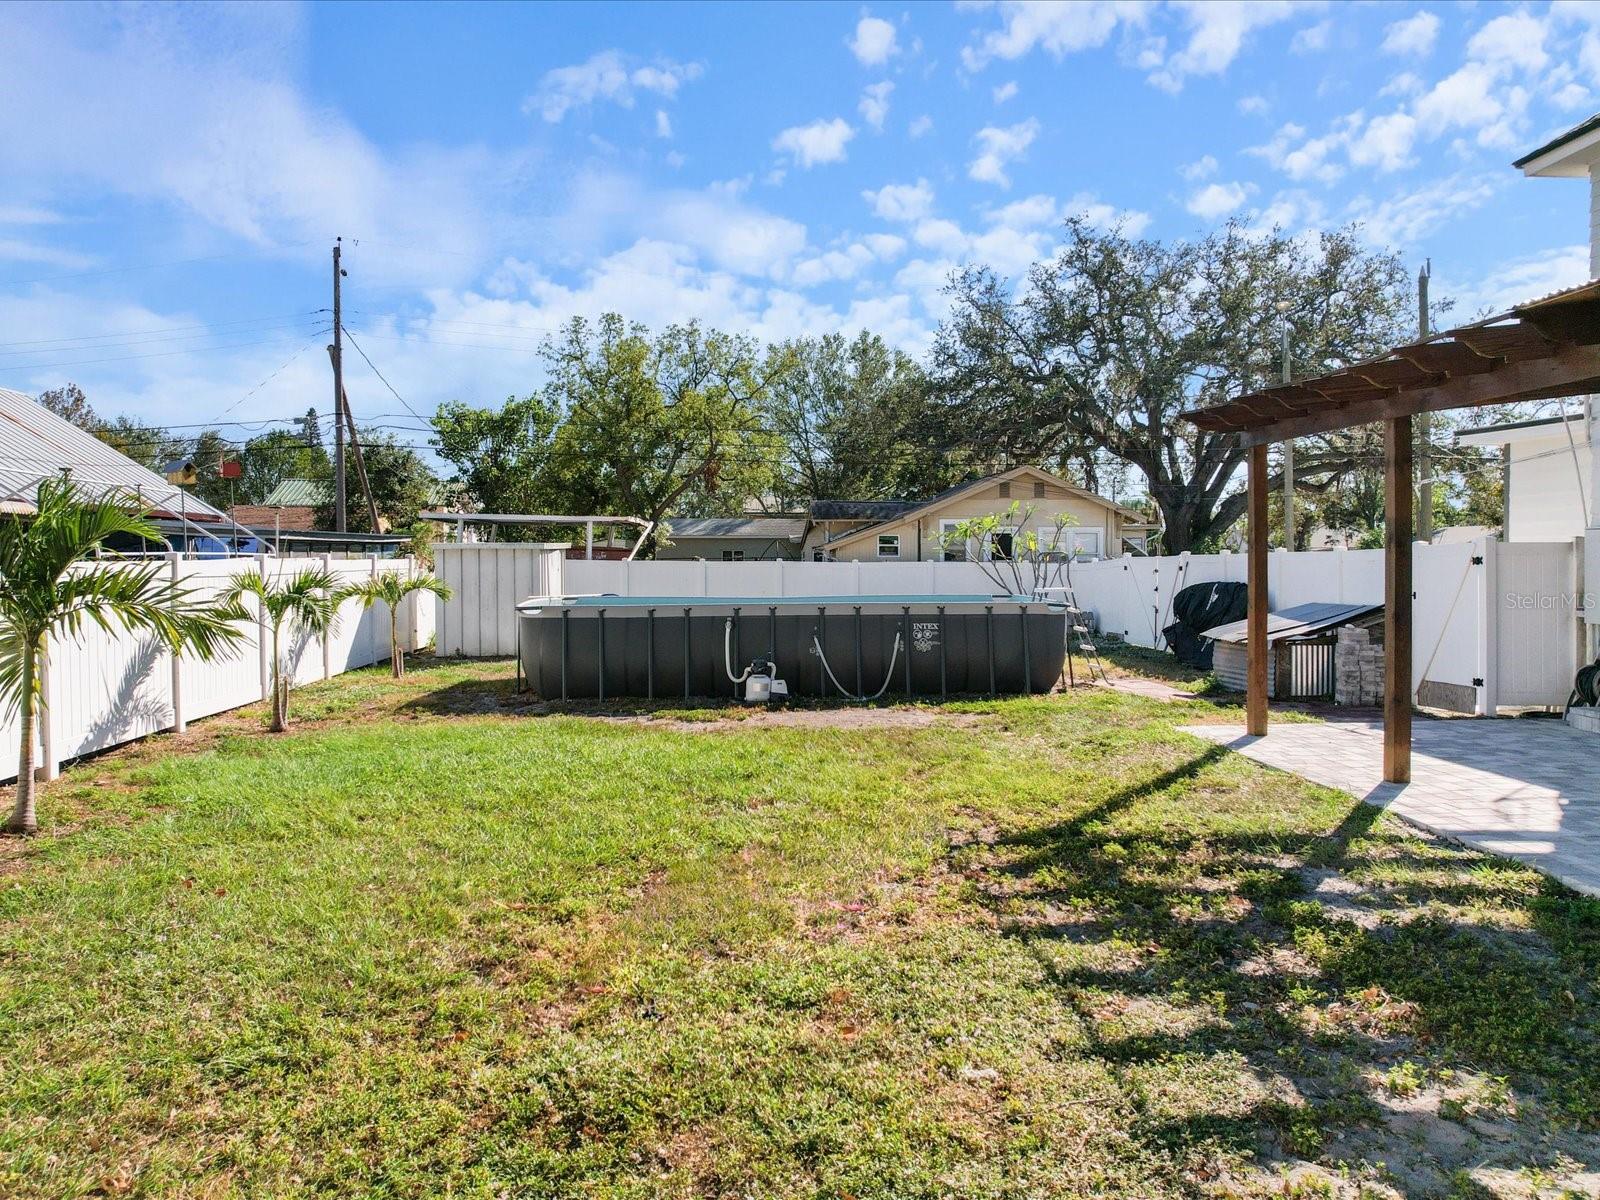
pixel 1288 446
pixel 1424 422
pixel 337 352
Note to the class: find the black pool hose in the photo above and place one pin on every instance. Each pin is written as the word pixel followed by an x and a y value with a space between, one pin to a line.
pixel 1586 687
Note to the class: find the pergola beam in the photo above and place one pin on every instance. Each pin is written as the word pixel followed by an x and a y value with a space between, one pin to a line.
pixel 1572 368
pixel 1398 521
pixel 1256 589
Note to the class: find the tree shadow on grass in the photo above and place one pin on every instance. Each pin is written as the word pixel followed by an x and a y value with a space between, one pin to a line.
pixel 1174 949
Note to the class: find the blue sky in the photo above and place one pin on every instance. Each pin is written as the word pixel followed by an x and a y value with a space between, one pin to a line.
pixel 175 176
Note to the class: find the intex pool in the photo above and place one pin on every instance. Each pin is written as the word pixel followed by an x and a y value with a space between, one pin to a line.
pixel 826 646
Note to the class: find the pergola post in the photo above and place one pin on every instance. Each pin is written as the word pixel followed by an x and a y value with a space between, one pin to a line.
pixel 1256 558
pixel 1398 529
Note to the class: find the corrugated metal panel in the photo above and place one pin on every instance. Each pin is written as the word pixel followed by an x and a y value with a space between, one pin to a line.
pixel 35 443
pixel 1294 622
pixel 298 493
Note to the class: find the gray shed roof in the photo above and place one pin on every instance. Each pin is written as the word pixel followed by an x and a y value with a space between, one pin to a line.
pixel 35 443
pixel 767 529
pixel 860 510
pixel 1297 621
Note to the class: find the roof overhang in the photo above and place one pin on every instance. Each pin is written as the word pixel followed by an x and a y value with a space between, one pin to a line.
pixel 1516 432
pixel 1567 156
pixel 1542 350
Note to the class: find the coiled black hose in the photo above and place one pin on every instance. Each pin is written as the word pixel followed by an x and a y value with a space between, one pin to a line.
pixel 1586 688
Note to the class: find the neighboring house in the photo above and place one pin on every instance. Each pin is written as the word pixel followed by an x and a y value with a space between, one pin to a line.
pixel 1548 471
pixel 292 505
pixel 35 444
pixel 898 531
pixel 733 539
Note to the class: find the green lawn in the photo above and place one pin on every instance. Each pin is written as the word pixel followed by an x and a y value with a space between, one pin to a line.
pixel 439 942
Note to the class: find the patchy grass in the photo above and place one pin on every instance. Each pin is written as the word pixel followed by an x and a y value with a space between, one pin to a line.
pixel 439 940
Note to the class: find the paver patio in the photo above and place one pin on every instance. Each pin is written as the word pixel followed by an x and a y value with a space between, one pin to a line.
pixel 1529 789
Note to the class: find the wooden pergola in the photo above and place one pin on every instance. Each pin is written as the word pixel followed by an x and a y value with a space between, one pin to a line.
pixel 1545 349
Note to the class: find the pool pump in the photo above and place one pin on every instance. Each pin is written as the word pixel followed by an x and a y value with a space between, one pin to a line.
pixel 761 686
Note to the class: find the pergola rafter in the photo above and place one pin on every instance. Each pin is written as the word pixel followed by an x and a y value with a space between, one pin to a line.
pixel 1544 349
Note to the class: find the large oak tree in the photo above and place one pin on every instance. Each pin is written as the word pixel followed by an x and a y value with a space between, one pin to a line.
pixel 1108 343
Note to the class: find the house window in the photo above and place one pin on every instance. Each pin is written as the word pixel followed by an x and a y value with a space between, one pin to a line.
pixel 1005 491
pixel 733 556
pixel 888 545
pixel 1003 544
pixel 951 548
pixel 1038 490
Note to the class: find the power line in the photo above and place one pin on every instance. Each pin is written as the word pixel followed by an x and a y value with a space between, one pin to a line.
pixel 133 335
pixel 156 266
pixel 385 382
pixel 89 362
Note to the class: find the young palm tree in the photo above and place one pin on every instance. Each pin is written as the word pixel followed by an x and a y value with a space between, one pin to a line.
pixel 391 589
pixel 307 602
pixel 47 588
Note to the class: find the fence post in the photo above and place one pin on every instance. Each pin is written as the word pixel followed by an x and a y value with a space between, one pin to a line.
pixel 327 650
pixel 1488 598
pixel 179 723
pixel 263 639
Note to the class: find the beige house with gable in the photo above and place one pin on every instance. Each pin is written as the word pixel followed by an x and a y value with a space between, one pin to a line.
pixel 852 531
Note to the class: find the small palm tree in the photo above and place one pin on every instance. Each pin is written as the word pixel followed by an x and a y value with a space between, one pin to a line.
pixel 47 588
pixel 391 589
pixel 306 603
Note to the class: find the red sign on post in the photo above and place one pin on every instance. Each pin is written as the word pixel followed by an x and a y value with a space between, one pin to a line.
pixel 232 469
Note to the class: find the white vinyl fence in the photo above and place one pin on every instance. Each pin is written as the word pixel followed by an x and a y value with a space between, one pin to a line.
pixel 108 688
pixel 1494 625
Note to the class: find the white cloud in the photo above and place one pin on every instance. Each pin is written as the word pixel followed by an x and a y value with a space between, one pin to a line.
pixel 873 43
pixel 1311 39
pixel 1472 97
pixel 1571 96
pixel 1407 216
pixel 1300 157
pixel 1385 142
pixel 663 123
pixel 19 251
pixel 1413 36
pixel 204 121
pixel 1217 200
pixel 819 142
pixel 1218 30
pixel 1253 106
pixel 606 75
pixel 999 146
pixel 1087 207
pixel 1005 91
pixel 874 105
pixel 1403 84
pixel 1059 29
pixel 1201 168
pixel 920 126
pixel 1513 40
pixel 23 214
pixel 901 201
pixel 1026 214
pixel 1520 280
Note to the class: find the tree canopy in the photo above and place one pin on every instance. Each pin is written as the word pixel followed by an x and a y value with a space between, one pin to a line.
pixel 1105 345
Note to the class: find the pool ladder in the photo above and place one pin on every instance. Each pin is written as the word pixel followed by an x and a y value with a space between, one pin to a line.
pixel 1080 639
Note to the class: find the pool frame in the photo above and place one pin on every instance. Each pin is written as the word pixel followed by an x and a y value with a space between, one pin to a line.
pixel 1029 661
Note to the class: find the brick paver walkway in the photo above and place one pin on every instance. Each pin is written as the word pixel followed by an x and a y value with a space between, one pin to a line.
pixel 1529 789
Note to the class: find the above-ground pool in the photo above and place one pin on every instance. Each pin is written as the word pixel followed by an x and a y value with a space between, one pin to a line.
pixel 824 646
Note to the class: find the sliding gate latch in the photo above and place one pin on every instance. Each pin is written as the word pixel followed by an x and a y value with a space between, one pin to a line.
pixel 1476 682
pixel 1477 560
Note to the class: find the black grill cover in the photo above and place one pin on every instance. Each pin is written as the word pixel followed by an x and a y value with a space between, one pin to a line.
pixel 1197 608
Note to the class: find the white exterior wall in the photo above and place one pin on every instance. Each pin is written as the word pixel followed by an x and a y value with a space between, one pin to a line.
pixel 1550 484
pixel 104 689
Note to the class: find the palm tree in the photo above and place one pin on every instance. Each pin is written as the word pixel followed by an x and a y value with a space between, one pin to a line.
pixel 47 588
pixel 308 602
pixel 391 589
